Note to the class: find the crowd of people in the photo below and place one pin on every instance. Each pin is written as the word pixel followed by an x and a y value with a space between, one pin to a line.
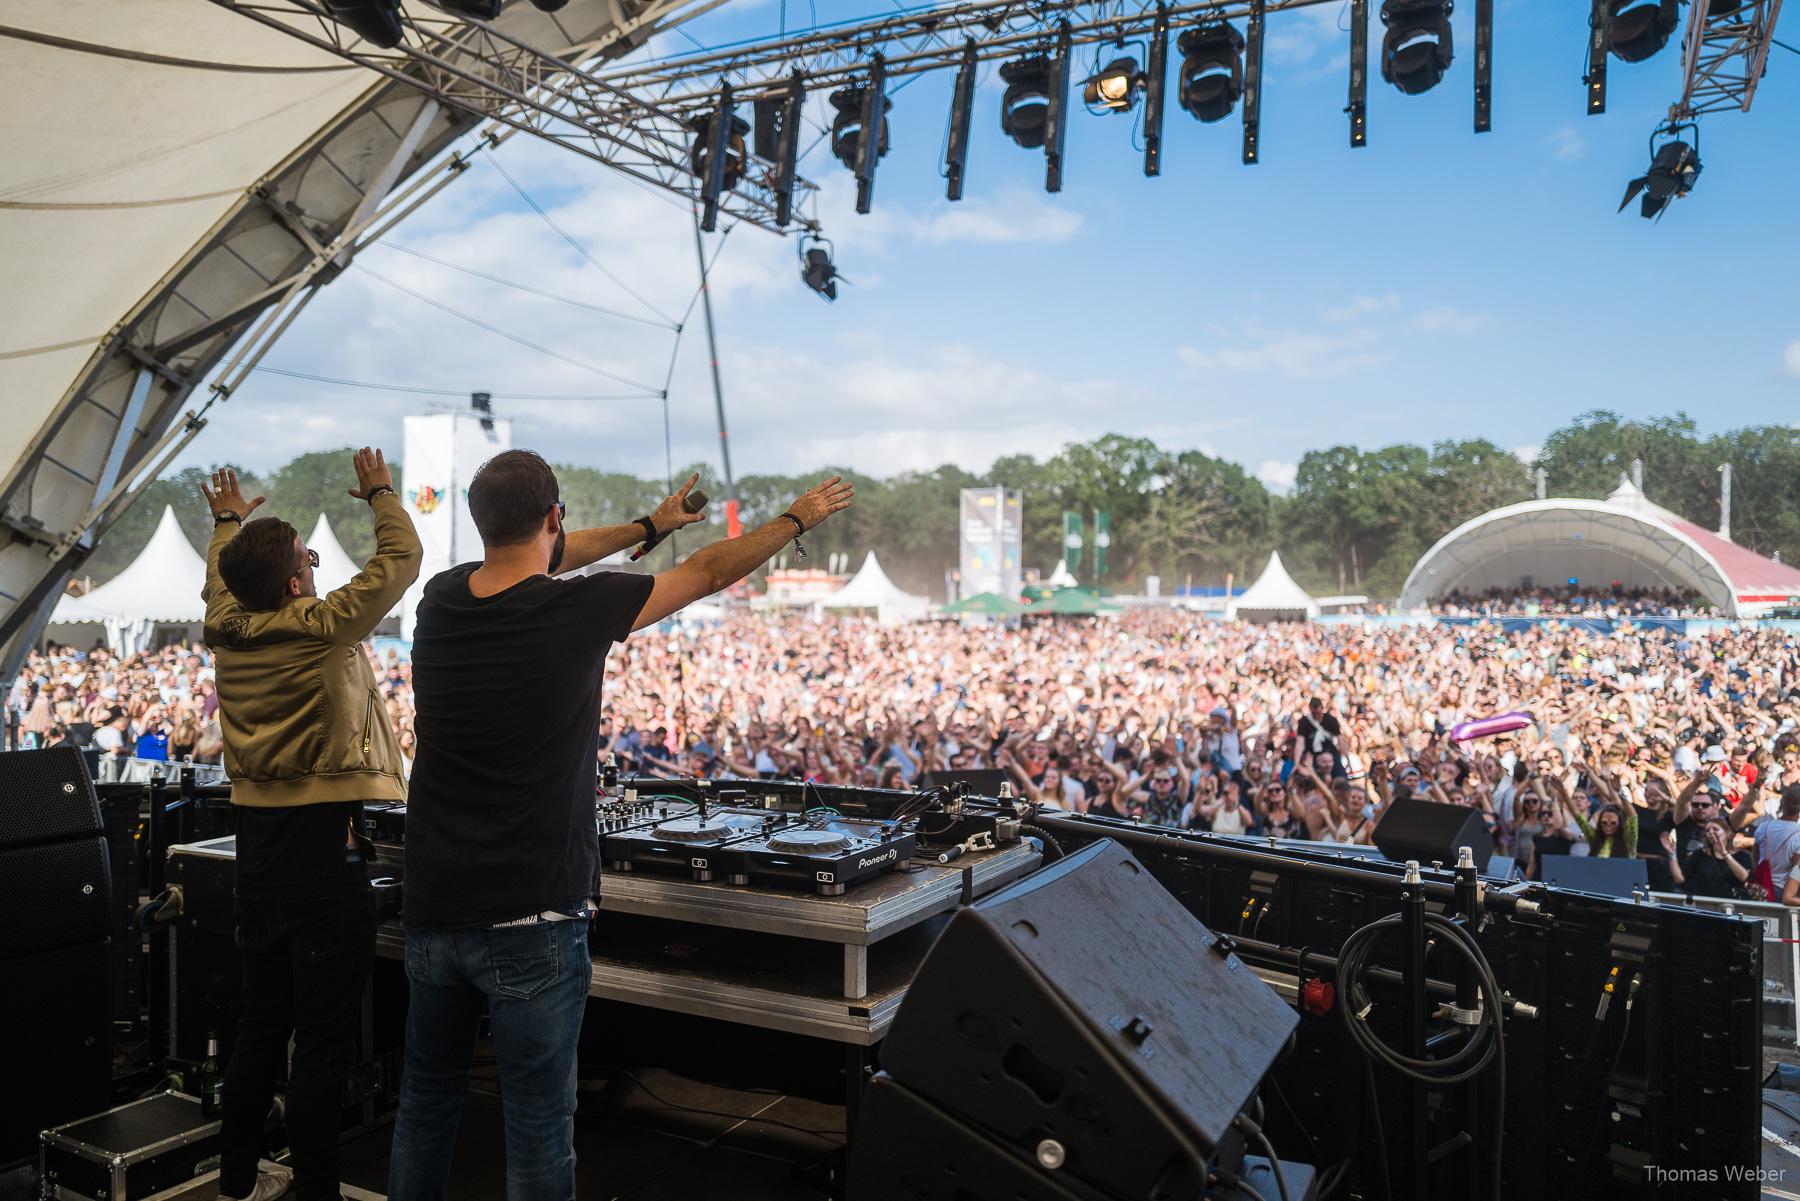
pixel 1614 602
pixel 1675 748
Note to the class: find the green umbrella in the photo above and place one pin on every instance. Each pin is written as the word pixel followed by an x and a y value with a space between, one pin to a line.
pixel 991 604
pixel 1077 602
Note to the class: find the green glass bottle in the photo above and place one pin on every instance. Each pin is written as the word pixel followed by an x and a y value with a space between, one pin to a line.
pixel 211 1080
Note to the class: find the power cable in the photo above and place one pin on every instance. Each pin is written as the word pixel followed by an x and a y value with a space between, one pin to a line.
pixel 511 337
pixel 565 236
pixel 508 283
pixel 458 392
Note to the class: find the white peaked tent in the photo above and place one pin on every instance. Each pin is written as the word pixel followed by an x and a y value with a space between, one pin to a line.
pixel 870 588
pixel 1061 577
pixel 1274 597
pixel 160 588
pixel 335 568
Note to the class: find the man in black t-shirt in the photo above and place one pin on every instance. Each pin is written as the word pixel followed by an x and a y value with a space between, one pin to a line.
pixel 1316 731
pixel 501 849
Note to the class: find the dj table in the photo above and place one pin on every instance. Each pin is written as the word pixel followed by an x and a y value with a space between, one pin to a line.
pixel 664 947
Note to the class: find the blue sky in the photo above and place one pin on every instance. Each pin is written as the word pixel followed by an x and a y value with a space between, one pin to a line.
pixel 1435 284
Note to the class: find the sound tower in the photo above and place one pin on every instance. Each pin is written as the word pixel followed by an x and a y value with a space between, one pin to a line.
pixel 55 892
pixel 1078 1034
pixel 1431 833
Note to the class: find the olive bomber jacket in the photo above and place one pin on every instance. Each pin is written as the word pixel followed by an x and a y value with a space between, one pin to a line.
pixel 304 723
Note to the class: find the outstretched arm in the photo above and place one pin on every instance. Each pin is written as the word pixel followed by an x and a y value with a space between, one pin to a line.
pixel 583 547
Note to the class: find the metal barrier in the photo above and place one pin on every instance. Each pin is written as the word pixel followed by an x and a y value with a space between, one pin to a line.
pixel 1781 956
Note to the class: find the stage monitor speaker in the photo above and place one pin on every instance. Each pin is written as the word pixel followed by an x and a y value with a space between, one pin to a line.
pixel 57 1011
pixel 1431 833
pixel 54 895
pixel 1083 1007
pixel 1610 877
pixel 46 796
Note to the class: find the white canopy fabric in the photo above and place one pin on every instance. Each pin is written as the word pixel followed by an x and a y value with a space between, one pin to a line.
pixel 1274 594
pixel 870 588
pixel 335 568
pixel 161 585
pixel 1061 577
pixel 1625 538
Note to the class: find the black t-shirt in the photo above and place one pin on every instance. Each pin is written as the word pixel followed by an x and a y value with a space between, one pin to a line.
pixel 500 809
pixel 1317 736
pixel 1651 824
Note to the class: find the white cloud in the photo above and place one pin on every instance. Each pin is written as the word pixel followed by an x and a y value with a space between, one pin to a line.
pixel 1307 34
pixel 1021 218
pixel 1364 306
pixel 1277 475
pixel 1293 354
pixel 1528 453
pixel 1791 359
pixel 1566 142
pixel 1449 320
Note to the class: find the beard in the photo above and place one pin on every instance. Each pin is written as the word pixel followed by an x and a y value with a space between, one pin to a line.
pixel 556 553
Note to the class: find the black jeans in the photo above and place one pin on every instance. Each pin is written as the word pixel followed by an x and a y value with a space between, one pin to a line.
pixel 305 965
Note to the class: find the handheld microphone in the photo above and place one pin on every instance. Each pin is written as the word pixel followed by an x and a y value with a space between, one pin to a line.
pixel 694 502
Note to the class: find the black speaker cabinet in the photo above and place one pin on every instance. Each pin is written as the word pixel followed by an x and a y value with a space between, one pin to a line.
pixel 46 796
pixel 1431 833
pixel 56 1008
pixel 54 894
pixel 1083 1016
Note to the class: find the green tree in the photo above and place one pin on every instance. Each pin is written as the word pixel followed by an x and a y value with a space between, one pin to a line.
pixel 320 482
pixel 130 533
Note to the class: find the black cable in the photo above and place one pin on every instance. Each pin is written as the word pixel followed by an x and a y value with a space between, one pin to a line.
pixel 1050 843
pixel 828 1135
pixel 1256 1135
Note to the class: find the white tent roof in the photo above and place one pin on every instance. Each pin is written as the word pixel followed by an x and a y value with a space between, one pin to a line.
pixel 870 588
pixel 335 568
pixel 1274 592
pixel 1061 577
pixel 1624 537
pixel 162 584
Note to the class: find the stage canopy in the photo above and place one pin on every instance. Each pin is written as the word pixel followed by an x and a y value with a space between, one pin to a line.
pixel 1274 597
pixel 175 174
pixel 1624 538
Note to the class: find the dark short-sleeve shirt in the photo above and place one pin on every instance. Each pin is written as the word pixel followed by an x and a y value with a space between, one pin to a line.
pixel 500 808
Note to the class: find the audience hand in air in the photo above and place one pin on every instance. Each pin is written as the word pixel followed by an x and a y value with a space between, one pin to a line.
pixel 822 500
pixel 371 473
pixel 225 497
pixel 670 515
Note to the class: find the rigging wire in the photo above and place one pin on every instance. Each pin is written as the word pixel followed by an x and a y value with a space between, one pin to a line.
pixel 452 392
pixel 511 337
pixel 535 291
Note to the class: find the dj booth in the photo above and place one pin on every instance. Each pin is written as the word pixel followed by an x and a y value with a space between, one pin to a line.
pixel 1015 990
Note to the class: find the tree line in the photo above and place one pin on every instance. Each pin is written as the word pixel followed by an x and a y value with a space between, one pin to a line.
pixel 1355 520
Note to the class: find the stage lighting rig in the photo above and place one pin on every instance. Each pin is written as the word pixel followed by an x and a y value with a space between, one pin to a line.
pixel 962 104
pixel 1358 105
pixel 1637 29
pixel 860 108
pixel 1212 70
pixel 1417 49
pixel 1025 105
pixel 1114 88
pixel 479 10
pixel 1674 166
pixel 700 157
pixel 817 269
pixel 1154 87
pixel 376 21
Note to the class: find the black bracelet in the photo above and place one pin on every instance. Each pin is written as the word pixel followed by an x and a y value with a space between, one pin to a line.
pixel 227 515
pixel 799 526
pixel 649 529
pixel 377 490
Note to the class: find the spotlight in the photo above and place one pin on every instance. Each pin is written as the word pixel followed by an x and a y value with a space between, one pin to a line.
pixel 549 6
pixel 1673 170
pixel 1212 70
pixel 847 126
pixel 1417 49
pixel 1114 89
pixel 700 154
pixel 1637 29
pixel 1025 106
pixel 375 21
pixel 817 270
pixel 480 10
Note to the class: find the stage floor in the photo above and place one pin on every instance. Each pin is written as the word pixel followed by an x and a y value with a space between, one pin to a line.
pixel 644 1141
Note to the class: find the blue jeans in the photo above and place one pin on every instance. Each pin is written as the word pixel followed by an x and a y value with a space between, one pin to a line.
pixel 533 981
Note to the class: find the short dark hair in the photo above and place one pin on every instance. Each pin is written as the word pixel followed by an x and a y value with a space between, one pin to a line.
pixel 510 495
pixel 257 564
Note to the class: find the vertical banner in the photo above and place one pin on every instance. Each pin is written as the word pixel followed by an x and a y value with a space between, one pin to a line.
pixel 980 541
pixel 1073 539
pixel 1012 543
pixel 1102 540
pixel 442 453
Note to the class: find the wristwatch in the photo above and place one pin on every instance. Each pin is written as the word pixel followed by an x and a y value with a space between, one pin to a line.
pixel 226 515
pixel 377 490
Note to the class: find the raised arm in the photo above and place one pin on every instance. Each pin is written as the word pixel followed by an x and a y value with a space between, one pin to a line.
pixel 230 509
pixel 583 547
pixel 723 563
pixel 351 613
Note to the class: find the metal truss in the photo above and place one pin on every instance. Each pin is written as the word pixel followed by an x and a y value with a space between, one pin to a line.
pixel 477 68
pixel 910 43
pixel 1723 56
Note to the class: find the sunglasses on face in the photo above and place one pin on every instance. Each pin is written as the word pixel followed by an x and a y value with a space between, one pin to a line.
pixel 312 559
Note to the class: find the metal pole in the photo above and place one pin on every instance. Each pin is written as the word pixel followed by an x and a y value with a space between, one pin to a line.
pixel 1467 999
pixel 712 347
pixel 1418 1009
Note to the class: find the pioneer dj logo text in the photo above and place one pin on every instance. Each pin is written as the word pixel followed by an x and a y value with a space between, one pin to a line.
pixel 878 859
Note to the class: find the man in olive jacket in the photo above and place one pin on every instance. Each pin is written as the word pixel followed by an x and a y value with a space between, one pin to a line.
pixel 307 742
